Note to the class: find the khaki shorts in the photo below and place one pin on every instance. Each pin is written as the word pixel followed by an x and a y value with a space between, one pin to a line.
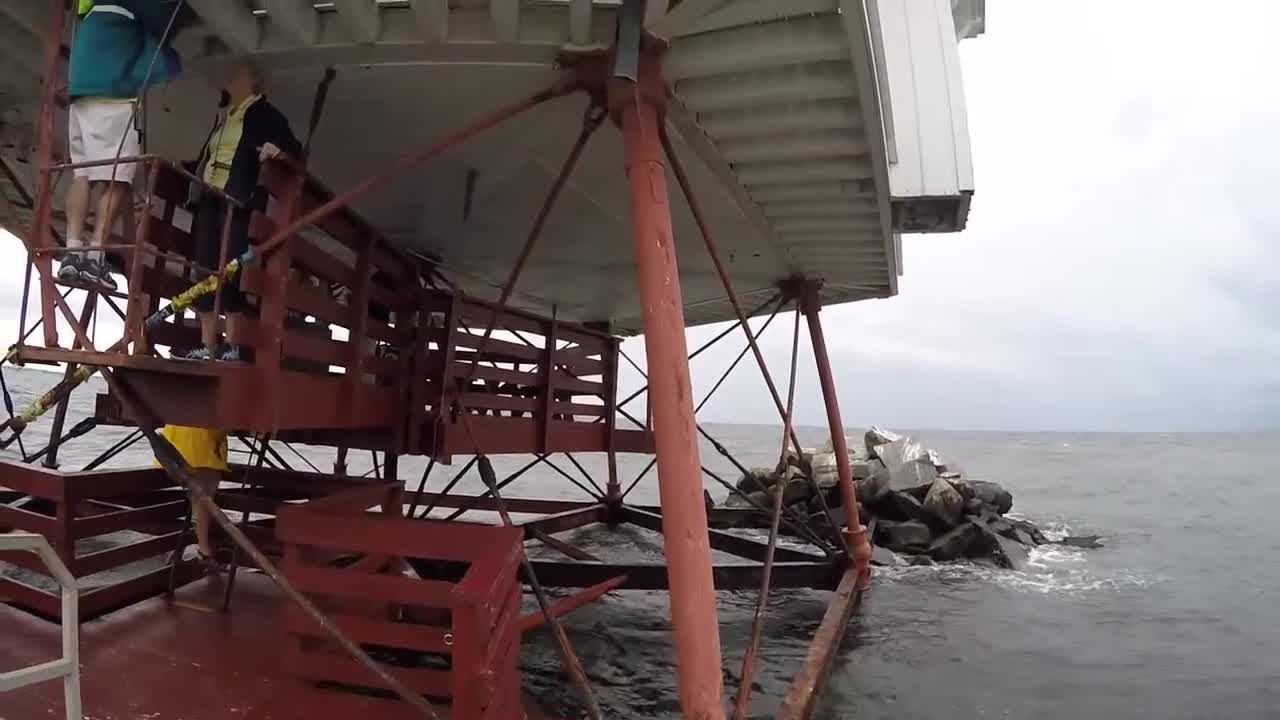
pixel 98 130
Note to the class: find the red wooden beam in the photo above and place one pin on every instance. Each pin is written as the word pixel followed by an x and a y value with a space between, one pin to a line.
pixel 803 693
pixel 568 604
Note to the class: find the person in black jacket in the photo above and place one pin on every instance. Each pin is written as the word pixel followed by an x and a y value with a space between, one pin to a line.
pixel 251 131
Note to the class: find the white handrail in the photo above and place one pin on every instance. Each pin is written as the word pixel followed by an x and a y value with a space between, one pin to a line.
pixel 68 667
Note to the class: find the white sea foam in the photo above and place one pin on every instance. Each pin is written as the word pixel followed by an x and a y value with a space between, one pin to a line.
pixel 1050 570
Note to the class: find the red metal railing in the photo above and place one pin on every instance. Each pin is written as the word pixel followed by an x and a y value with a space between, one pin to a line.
pixel 452 638
pixel 71 508
pixel 345 333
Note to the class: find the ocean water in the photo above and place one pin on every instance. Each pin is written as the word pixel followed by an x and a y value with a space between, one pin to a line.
pixel 1176 617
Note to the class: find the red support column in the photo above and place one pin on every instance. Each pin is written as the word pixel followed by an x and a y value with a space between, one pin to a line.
pixel 684 517
pixel 41 233
pixel 855 533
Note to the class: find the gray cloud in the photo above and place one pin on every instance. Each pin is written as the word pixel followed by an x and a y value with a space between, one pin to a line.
pixel 1119 270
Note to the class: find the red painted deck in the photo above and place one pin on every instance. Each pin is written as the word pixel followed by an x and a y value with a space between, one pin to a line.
pixel 170 662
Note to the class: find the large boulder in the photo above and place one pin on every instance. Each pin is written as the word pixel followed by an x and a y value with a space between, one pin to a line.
pixel 944 503
pixel 860 468
pixel 797 490
pixel 824 469
pixel 794 459
pixel 903 506
pixel 908 466
pixel 988 493
pixel 913 477
pixel 1006 553
pixel 758 500
pixel 875 485
pixel 911 535
pixel 885 557
pixel 755 479
pixel 875 437
pixel 822 524
pixel 955 543
pixel 1027 533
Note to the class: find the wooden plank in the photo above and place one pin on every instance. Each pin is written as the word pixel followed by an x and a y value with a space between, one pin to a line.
pixel 571 408
pixel 109 597
pixel 248 501
pixel 171 335
pixel 496 374
pixel 300 346
pixel 397 589
pixel 504 635
pixel 633 441
pixel 31 480
pixel 522 319
pixel 485 401
pixel 489 580
pixel 497 347
pixel 171 238
pixel 803 693
pixel 409 636
pixel 113 483
pixel 565 381
pixel 26 560
pixel 323 264
pixel 354 500
pixel 565 605
pixel 377 534
pixel 594 351
pixel 310 300
pixel 478 315
pixel 320 666
pixel 136 518
pixel 19 519
pixel 521 435
pixel 581 367
pixel 296 345
pixel 24 595
pixel 123 555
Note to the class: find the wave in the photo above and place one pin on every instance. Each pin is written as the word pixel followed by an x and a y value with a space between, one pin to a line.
pixel 1050 570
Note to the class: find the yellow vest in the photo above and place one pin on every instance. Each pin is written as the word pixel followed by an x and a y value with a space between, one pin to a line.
pixel 223 144
pixel 200 447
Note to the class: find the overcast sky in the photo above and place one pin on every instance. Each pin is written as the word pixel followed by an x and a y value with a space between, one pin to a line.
pixel 1119 271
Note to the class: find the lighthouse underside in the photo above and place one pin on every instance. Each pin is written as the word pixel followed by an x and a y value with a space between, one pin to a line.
pixel 783 113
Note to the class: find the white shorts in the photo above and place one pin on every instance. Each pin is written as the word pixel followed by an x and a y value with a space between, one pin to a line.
pixel 95 128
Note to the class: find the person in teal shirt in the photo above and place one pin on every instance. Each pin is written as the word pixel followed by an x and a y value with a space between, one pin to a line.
pixel 115 46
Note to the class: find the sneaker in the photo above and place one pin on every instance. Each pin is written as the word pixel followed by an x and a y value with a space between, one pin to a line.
pixel 230 353
pixel 70 269
pixel 200 353
pixel 95 273
pixel 212 565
